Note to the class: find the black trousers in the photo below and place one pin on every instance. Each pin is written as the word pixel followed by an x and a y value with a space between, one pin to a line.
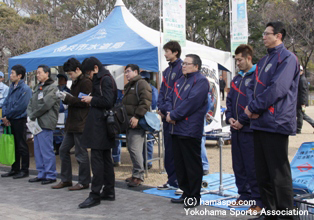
pixel 18 128
pixel 273 171
pixel 222 91
pixel 188 165
pixel 103 173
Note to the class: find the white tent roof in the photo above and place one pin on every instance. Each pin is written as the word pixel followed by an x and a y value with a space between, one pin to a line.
pixel 206 53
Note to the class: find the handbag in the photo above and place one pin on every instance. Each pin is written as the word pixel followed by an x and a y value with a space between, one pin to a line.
pixel 150 122
pixel 117 120
pixel 7 147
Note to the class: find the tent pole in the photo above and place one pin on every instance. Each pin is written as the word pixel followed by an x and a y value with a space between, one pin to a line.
pixel 160 48
pixel 232 59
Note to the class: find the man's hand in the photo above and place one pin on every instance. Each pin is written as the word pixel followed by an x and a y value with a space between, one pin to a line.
pixel 161 115
pixel 232 121
pixel 133 122
pixel 237 125
pixel 168 119
pixel 6 122
pixel 247 111
pixel 61 95
pixel 250 114
pixel 254 116
pixel 87 99
pixel 303 108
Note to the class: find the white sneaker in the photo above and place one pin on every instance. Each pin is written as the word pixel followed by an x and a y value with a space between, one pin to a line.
pixel 178 192
pixel 166 187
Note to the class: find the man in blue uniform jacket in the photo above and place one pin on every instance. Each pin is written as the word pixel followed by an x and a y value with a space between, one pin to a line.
pixel 186 109
pixel 242 147
pixel 272 96
pixel 171 74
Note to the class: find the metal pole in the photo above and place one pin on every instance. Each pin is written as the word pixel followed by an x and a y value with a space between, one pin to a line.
pixel 160 46
pixel 230 21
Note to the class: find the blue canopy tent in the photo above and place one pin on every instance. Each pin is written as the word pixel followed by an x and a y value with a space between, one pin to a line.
pixel 112 42
pixel 120 39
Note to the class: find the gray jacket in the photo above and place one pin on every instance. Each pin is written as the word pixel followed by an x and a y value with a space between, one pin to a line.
pixel 44 105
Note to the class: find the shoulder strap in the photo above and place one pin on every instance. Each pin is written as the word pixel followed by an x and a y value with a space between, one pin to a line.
pixel 101 83
pixel 136 91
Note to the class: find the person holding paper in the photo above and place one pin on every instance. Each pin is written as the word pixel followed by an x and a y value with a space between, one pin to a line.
pixel 14 114
pixel 44 106
pixel 74 126
pixel 63 111
pixel 102 98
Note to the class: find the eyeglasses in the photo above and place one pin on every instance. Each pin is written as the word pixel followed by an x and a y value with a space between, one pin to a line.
pixel 127 71
pixel 186 64
pixel 266 33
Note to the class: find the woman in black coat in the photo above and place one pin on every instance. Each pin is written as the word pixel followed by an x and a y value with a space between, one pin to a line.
pixel 103 97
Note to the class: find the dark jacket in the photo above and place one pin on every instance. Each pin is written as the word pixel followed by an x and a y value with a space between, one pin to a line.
pixel 222 84
pixel 302 91
pixel 104 93
pixel 15 104
pixel 95 131
pixel 237 99
pixel 46 109
pixel 273 91
pixel 171 74
pixel 77 110
pixel 187 105
pixel 137 97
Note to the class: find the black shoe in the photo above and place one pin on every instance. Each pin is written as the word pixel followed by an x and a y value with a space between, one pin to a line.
pixel 298 132
pixel 48 181
pixel 11 173
pixel 108 197
pixel 20 175
pixel 36 179
pixel 191 204
pixel 205 172
pixel 180 200
pixel 89 202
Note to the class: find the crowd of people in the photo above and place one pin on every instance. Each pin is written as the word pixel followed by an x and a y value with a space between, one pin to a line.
pixel 260 107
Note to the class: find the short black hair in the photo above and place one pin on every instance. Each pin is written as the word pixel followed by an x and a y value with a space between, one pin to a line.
pixel 245 50
pixel 46 69
pixel 89 64
pixel 20 70
pixel 196 60
pixel 174 46
pixel 278 28
pixel 71 65
pixel 133 67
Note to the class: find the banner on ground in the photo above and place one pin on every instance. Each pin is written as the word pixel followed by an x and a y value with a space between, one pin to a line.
pixel 239 21
pixel 174 21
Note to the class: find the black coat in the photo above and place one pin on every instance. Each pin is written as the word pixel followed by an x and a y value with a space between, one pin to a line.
pixel 222 84
pixel 302 91
pixel 95 131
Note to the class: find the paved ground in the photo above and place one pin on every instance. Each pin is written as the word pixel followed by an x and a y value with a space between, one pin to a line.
pixel 21 200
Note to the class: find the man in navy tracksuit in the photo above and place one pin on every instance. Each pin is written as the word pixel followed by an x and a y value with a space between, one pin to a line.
pixel 186 109
pixel 242 147
pixel 169 76
pixel 272 96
